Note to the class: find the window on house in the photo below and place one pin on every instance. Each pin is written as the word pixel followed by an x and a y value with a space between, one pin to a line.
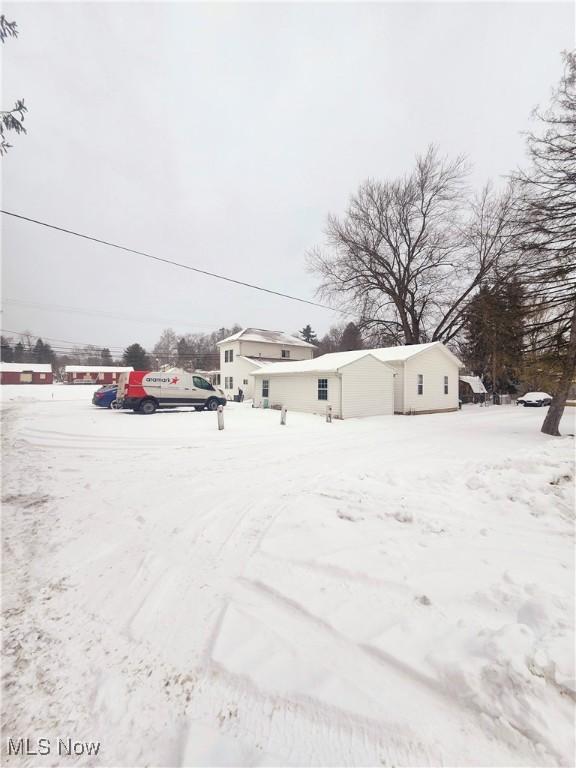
pixel 42 376
pixel 228 356
pixel 265 387
pixel 420 383
pixel 217 379
pixel 286 353
pixel 322 389
pixel 231 382
pixel 445 385
pixel 245 382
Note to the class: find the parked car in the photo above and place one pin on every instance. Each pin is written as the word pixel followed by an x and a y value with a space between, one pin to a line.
pixel 534 399
pixel 105 397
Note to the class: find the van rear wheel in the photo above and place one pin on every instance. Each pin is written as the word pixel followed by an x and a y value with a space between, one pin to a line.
pixel 147 407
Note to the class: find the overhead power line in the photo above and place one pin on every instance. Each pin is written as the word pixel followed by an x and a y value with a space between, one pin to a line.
pixel 73 345
pixel 147 320
pixel 170 262
pixel 49 338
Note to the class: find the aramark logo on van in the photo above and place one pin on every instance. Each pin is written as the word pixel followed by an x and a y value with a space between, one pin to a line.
pixel 161 380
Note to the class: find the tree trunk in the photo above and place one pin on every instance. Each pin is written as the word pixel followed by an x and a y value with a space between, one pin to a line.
pixel 552 421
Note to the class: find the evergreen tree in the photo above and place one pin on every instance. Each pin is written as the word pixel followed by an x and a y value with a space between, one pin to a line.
pixel 351 338
pixel 38 352
pixel 106 357
pixel 49 355
pixel 10 119
pixel 308 334
pixel 6 351
pixel 548 235
pixel 136 356
pixel 493 335
pixel 19 353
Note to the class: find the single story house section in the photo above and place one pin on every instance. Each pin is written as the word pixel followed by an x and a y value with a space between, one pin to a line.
pixel 26 373
pixel 426 378
pixel 472 390
pixel 354 384
pixel 94 374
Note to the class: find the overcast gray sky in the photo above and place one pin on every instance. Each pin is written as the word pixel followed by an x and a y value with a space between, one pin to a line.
pixel 222 135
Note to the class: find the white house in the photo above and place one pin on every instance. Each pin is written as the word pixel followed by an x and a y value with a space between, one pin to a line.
pixel 248 350
pixel 353 383
pixel 424 380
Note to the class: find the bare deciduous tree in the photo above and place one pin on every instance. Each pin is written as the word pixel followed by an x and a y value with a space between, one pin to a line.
pixel 410 253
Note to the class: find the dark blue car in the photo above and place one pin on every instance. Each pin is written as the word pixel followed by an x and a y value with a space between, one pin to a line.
pixel 105 396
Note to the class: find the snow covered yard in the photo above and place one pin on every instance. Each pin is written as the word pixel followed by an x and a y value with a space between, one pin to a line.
pixel 384 591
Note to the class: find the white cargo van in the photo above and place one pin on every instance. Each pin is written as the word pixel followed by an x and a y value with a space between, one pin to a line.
pixel 146 391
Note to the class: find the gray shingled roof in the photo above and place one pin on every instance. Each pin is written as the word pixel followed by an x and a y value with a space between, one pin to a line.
pixel 267 337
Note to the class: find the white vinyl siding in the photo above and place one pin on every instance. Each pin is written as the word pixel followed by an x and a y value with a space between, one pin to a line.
pixel 236 366
pixel 398 387
pixel 362 388
pixel 299 392
pixel 434 365
pixel 367 389
pixel 261 349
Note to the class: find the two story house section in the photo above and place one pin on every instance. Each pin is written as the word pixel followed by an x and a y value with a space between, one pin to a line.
pixel 244 352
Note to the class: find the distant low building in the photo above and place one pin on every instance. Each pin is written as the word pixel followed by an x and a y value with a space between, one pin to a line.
pixel 26 373
pixel 94 374
pixel 472 390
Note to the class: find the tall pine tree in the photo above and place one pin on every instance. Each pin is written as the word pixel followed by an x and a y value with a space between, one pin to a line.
pixel 493 335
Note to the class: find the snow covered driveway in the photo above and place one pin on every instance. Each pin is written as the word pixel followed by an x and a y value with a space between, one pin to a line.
pixel 385 591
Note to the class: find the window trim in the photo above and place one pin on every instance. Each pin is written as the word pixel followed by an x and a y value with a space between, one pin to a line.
pixel 285 354
pixel 420 383
pixel 265 389
pixel 322 390
pixel 446 385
